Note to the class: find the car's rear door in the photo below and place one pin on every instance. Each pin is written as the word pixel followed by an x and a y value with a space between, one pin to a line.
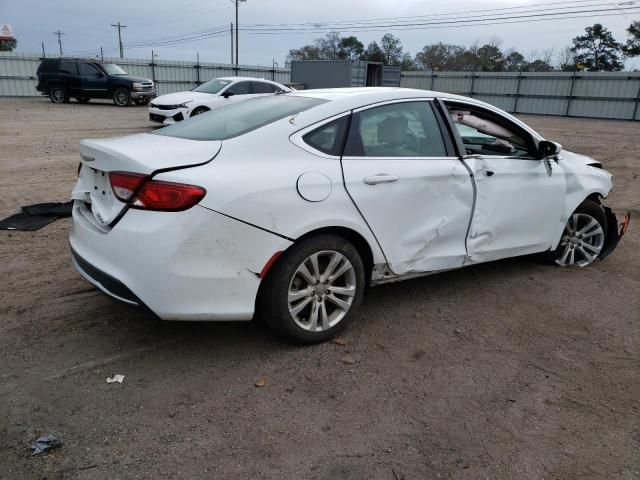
pixel 519 196
pixel 411 189
pixel 68 71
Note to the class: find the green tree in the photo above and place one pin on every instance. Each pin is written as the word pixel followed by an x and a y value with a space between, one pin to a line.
pixel 374 53
pixel 514 62
pixel 8 45
pixel 350 48
pixel 392 49
pixel 597 50
pixel 632 47
pixel 490 58
pixel 439 56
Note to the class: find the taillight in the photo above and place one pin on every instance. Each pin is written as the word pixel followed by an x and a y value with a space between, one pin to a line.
pixel 145 194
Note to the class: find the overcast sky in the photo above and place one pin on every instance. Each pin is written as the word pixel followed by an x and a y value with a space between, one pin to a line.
pixel 86 25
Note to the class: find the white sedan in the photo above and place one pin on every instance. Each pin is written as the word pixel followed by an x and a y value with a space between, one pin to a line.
pixel 175 107
pixel 289 206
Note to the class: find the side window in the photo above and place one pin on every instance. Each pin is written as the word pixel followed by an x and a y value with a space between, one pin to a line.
pixel 88 70
pixel 240 88
pixel 396 130
pixel 68 67
pixel 262 87
pixel 483 133
pixel 328 138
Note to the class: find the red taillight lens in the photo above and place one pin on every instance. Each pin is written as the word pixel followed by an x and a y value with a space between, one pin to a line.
pixel 154 194
pixel 125 184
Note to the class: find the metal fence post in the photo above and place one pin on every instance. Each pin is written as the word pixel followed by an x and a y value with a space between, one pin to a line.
pixel 433 78
pixel 573 83
pixel 515 103
pixel 637 105
pixel 197 67
pixel 473 81
pixel 153 69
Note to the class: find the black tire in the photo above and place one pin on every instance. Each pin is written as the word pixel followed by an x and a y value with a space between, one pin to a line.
pixel 198 111
pixel 83 99
pixel 58 94
pixel 586 209
pixel 273 306
pixel 121 97
pixel 141 101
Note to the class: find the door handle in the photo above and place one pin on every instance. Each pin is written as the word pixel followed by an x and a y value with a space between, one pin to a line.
pixel 489 173
pixel 380 178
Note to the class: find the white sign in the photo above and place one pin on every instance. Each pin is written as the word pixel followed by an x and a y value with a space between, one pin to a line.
pixel 6 32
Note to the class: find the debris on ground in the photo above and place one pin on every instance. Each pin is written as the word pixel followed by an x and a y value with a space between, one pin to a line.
pixel 34 217
pixel 44 443
pixel 261 382
pixel 341 341
pixel 116 378
pixel 349 360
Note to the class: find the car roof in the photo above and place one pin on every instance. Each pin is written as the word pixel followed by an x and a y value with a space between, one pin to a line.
pixel 235 79
pixel 340 100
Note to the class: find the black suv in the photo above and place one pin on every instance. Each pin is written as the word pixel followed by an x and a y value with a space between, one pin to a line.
pixel 62 78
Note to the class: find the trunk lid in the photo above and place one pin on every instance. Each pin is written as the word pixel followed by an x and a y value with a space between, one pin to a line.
pixel 143 153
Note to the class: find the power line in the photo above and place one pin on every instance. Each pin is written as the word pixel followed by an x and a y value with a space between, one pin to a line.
pixel 419 25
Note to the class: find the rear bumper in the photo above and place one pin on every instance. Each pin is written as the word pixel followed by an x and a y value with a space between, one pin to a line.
pixel 191 265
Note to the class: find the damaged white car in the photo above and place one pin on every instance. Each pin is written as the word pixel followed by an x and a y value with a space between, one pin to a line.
pixel 289 206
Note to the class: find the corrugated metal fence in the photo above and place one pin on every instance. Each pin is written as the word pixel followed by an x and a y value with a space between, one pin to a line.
pixel 18 73
pixel 580 94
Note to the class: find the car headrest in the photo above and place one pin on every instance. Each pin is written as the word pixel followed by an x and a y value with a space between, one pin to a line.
pixel 393 130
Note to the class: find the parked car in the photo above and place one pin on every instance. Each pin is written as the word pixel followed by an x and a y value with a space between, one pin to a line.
pixel 63 78
pixel 289 206
pixel 175 107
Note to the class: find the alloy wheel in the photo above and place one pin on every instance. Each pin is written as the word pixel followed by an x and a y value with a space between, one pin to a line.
pixel 321 291
pixel 121 97
pixel 581 242
pixel 57 95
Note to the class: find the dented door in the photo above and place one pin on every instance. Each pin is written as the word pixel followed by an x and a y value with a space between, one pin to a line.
pixel 518 206
pixel 418 207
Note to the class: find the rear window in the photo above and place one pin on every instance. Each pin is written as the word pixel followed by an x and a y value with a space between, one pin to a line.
pixel 48 66
pixel 238 118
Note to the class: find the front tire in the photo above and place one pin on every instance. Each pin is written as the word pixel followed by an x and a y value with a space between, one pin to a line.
pixel 583 237
pixel 121 97
pixel 58 94
pixel 312 291
pixel 198 111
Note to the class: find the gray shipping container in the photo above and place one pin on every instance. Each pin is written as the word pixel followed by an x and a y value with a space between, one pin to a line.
pixel 344 73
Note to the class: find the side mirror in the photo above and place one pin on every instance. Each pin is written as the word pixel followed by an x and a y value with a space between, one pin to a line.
pixel 549 149
pixel 228 94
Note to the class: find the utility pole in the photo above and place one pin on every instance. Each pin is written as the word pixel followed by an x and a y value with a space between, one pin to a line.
pixel 237 25
pixel 59 34
pixel 120 27
pixel 44 55
pixel 101 54
pixel 231 33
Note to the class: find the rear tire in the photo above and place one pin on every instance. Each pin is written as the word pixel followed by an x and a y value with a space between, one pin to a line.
pixel 583 237
pixel 121 97
pixel 83 99
pixel 58 94
pixel 313 290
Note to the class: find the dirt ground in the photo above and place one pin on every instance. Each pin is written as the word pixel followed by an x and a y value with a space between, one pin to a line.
pixel 509 370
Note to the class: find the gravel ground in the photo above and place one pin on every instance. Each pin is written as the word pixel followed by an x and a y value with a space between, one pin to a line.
pixel 513 369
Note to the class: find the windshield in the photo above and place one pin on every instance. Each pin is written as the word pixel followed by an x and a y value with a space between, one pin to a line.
pixel 212 86
pixel 113 69
pixel 238 118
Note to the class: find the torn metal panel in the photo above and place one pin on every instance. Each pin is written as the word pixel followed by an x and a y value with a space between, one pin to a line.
pixel 518 206
pixel 421 218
